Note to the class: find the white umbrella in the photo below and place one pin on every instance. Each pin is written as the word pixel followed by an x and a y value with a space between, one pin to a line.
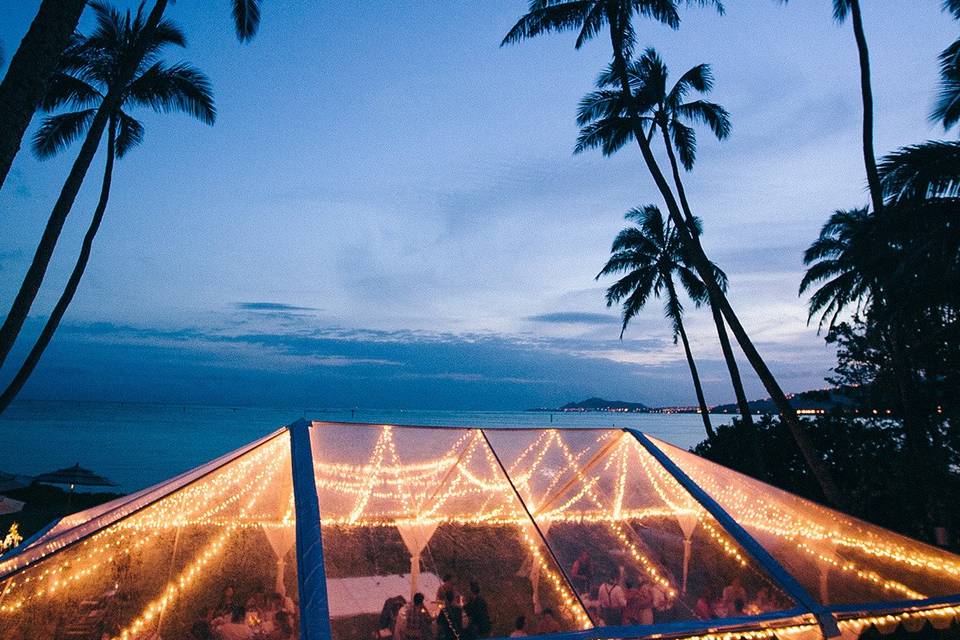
pixel 9 505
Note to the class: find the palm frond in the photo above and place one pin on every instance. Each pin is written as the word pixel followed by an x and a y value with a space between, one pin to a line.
pixel 180 87
pixel 695 287
pixel 64 89
pixel 698 78
pixel 165 34
pixel 593 22
pixel 129 134
pixel 953 6
pixel 246 18
pixel 708 113
pixel 546 16
pixel 609 135
pixel 600 104
pixel 57 132
pixel 840 10
pixel 946 109
pixel 930 169
pixel 685 142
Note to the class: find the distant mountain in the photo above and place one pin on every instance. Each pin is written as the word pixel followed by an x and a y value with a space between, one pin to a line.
pixel 805 402
pixel 599 404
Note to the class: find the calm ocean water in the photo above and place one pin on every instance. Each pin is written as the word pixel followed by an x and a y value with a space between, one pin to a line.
pixel 137 445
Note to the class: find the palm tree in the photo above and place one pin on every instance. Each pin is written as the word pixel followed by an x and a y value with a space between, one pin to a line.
pixel 30 70
pixel 841 10
pixel 246 15
pixel 845 264
pixel 89 70
pixel 36 59
pixel 589 17
pixel 651 255
pixel 947 108
pixel 604 124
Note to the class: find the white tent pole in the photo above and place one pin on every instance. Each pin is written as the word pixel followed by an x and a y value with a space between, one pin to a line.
pixel 687 542
pixel 414 573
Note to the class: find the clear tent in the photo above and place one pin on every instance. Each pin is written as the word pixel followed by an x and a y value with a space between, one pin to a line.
pixel 340 520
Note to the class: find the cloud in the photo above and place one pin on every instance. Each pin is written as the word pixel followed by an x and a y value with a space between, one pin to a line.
pixel 575 317
pixel 270 306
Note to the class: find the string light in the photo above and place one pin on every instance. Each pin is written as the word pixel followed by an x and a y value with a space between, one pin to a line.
pixel 465 485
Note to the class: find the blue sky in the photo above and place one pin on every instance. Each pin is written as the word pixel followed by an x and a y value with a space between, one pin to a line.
pixel 388 213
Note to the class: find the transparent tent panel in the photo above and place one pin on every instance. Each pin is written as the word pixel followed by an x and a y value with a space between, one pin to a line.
pixel 401 509
pixel 164 568
pixel 610 512
pixel 82 523
pixel 839 560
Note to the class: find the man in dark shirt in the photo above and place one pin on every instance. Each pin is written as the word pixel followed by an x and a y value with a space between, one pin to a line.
pixel 476 610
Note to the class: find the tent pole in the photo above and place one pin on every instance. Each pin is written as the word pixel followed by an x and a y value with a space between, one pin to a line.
pixel 311 577
pixel 828 624
pixel 536 527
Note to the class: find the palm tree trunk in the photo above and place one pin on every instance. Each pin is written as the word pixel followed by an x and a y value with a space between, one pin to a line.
pixel 30 69
pixel 787 414
pixel 71 288
pixel 701 401
pixel 866 91
pixel 743 406
pixel 732 367
pixel 68 194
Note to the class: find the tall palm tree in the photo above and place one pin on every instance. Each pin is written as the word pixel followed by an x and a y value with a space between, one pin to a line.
pixel 246 15
pixel 90 69
pixel 604 123
pixel 651 255
pixel 36 59
pixel 841 10
pixel 30 69
pixel 589 17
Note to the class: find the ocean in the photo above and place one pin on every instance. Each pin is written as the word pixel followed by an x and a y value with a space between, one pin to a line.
pixel 137 445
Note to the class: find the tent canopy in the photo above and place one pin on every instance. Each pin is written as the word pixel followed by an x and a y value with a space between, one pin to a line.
pixel 542 523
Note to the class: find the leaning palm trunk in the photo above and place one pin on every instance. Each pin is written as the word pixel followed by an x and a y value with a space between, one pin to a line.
pixel 869 158
pixel 700 262
pixel 71 288
pixel 30 69
pixel 732 367
pixel 68 194
pixel 701 400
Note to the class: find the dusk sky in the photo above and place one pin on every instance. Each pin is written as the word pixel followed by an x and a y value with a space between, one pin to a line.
pixel 388 212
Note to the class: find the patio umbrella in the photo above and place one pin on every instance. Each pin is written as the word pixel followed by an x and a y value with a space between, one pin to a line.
pixel 75 476
pixel 11 481
pixel 9 505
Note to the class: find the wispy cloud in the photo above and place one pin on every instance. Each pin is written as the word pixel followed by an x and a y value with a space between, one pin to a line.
pixel 575 317
pixel 271 306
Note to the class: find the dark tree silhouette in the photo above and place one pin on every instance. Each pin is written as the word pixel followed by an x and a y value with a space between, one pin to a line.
pixel 651 257
pixel 90 67
pixel 30 69
pixel 604 124
pixel 588 17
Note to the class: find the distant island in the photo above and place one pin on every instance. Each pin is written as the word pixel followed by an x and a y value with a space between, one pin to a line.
pixel 599 404
pixel 812 402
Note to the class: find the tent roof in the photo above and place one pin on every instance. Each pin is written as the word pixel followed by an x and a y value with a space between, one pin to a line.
pixel 827 572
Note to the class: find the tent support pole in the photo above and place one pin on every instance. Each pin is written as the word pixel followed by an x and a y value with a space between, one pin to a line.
pixel 536 527
pixel 311 577
pixel 828 624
